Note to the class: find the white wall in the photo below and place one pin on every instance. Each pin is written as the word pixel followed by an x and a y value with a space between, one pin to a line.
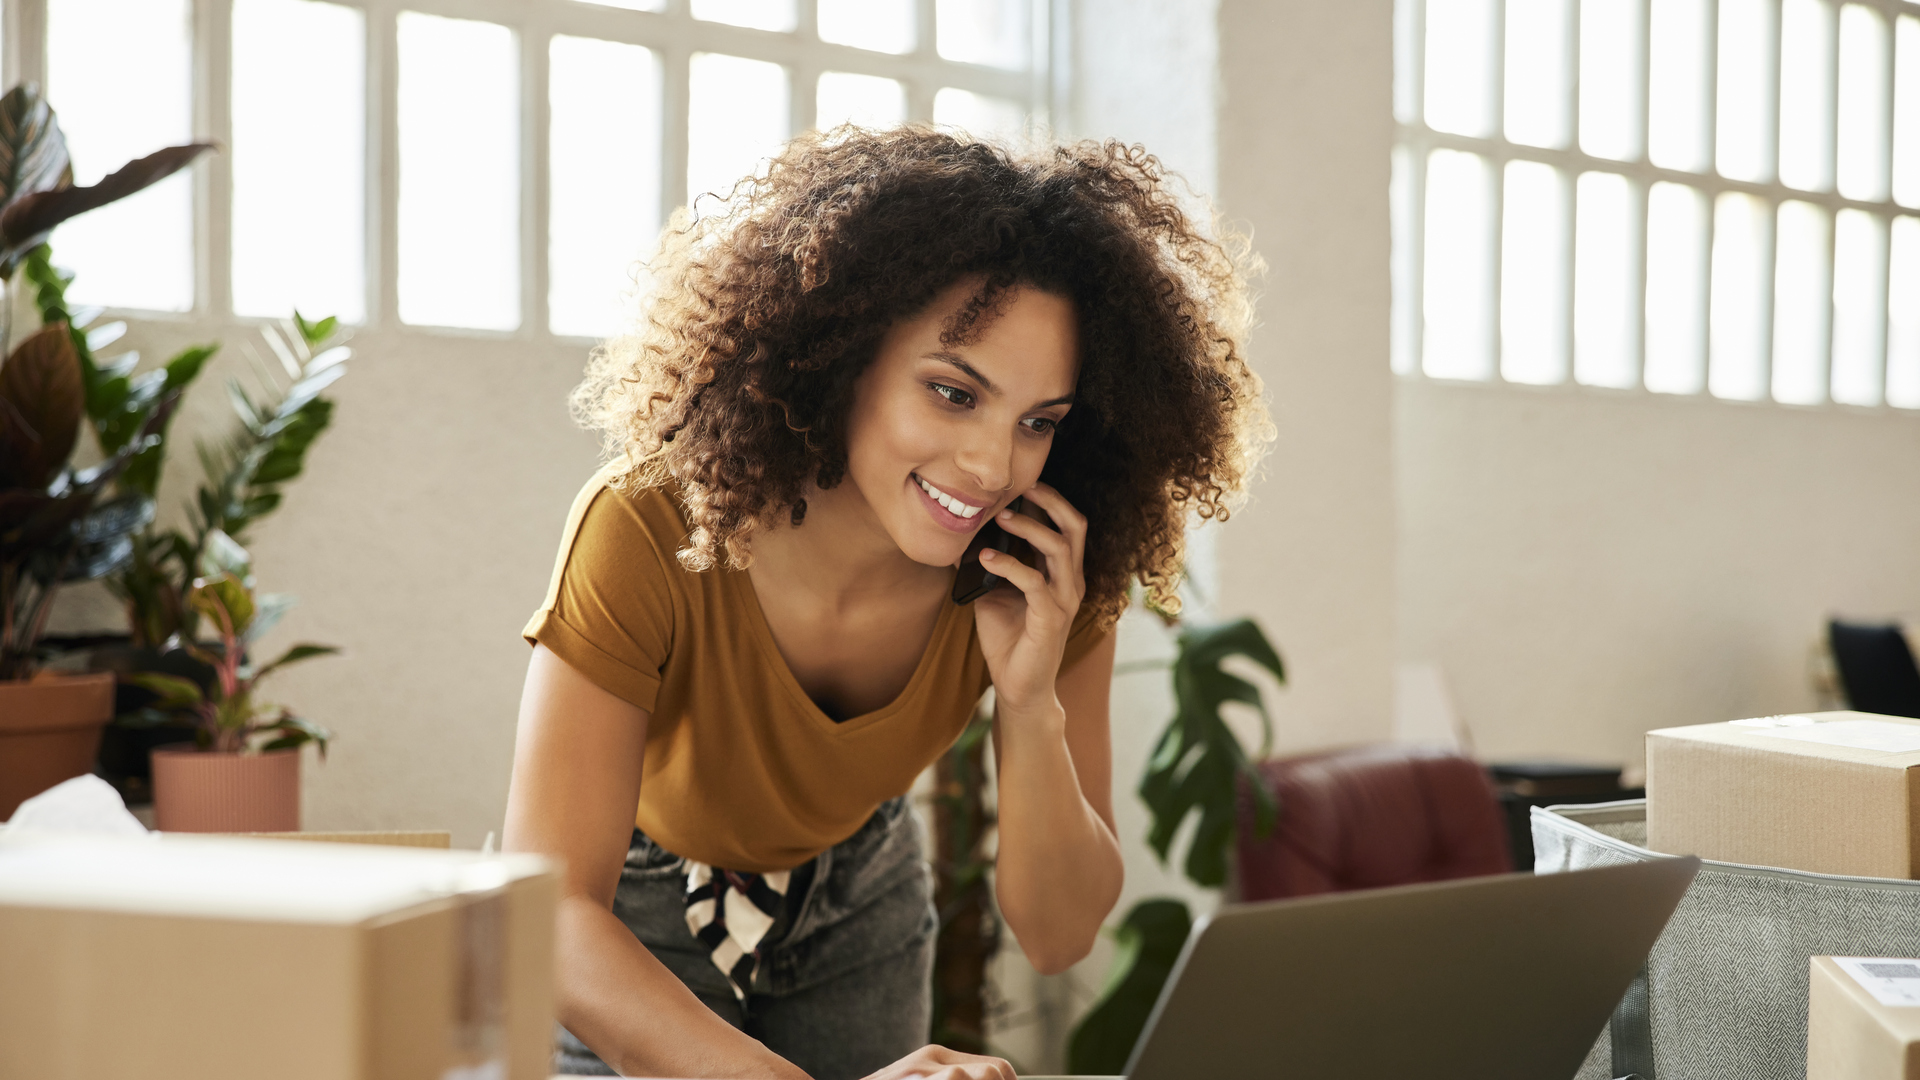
pixel 1587 565
pixel 1305 137
pixel 420 540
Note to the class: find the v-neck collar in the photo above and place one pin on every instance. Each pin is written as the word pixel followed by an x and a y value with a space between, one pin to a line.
pixel 756 618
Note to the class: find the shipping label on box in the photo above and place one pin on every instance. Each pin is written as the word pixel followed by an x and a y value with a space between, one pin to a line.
pixel 1863 1018
pixel 1830 793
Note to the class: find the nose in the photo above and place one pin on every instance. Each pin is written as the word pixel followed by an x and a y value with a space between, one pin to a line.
pixel 986 457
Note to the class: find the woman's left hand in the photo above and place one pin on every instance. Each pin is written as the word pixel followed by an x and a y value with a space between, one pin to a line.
pixel 1023 630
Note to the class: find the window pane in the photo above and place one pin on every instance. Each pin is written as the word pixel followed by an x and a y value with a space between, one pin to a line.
pixel 737 113
pixel 991 32
pixel 1863 155
pixel 1458 275
pixel 1533 275
pixel 138 252
pixel 1676 289
pixel 1605 304
pixel 459 219
pixel 299 152
pixel 1539 83
pixel 1806 95
pixel 1906 112
pixel 866 100
pixel 1610 78
pixel 630 5
pixel 881 25
pixel 980 116
pixel 1737 358
pixel 1801 292
pixel 1405 314
pixel 603 177
pixel 775 15
pixel 1744 148
pixel 1405 107
pixel 1859 307
pixel 1681 38
pixel 1903 319
pixel 1459 59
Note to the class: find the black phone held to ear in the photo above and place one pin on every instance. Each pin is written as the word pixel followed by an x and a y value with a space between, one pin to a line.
pixel 973 581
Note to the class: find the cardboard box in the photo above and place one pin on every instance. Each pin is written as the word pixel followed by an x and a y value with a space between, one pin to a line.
pixel 208 959
pixel 1863 1019
pixel 1831 793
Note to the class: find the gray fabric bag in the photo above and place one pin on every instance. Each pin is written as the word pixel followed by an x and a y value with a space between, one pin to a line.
pixel 1724 994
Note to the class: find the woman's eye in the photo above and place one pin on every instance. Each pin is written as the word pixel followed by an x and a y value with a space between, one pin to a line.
pixel 1040 425
pixel 952 393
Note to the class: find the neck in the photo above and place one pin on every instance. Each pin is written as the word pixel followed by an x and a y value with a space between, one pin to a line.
pixel 839 554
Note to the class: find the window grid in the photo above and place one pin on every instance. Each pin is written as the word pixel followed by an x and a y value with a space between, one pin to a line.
pixel 672 33
pixel 1416 141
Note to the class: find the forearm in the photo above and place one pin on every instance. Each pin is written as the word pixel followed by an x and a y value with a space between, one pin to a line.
pixel 1059 871
pixel 641 1020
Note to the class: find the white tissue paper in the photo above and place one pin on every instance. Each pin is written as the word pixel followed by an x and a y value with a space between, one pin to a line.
pixel 84 804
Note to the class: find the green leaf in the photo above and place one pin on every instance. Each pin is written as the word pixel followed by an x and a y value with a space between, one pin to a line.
pixel 173 691
pixel 225 602
pixel 1147 945
pixel 268 608
pixel 42 401
pixel 1198 766
pixel 296 731
pixel 221 555
pixel 302 651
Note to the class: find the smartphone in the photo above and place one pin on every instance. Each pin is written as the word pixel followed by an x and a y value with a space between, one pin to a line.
pixel 973 581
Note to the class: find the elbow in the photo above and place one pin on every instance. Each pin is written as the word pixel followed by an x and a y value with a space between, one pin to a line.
pixel 1056 957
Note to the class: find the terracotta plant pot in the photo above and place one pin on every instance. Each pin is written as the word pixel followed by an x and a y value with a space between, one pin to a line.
pixel 207 792
pixel 49 732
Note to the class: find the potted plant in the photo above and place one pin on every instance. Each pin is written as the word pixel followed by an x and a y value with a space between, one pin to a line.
pixel 242 771
pixel 244 477
pixel 57 524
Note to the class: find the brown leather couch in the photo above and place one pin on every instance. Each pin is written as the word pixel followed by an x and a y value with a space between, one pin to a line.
pixel 1369 817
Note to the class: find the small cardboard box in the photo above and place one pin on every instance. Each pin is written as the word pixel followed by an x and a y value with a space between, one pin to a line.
pixel 1863 1019
pixel 1831 793
pixel 175 957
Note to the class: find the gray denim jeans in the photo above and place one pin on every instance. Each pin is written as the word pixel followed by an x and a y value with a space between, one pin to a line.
pixel 846 989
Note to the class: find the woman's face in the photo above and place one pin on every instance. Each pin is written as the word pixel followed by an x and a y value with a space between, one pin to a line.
pixel 942 437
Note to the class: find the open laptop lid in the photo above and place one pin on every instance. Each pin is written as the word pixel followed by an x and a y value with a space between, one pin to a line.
pixel 1490 978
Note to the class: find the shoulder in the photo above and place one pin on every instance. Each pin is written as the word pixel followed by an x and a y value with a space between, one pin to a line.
pixel 618 521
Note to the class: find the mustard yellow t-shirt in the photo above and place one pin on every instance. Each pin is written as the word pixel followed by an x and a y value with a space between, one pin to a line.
pixel 742 769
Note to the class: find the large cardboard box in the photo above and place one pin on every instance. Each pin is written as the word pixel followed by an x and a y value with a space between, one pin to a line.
pixel 1832 793
pixel 207 959
pixel 1863 1019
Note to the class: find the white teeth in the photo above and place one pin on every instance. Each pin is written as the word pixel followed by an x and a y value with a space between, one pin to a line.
pixel 955 505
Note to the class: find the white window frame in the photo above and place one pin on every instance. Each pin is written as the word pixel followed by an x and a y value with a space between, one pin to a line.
pixel 1414 141
pixel 673 34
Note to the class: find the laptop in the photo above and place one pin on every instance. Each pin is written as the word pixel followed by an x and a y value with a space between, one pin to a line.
pixel 1495 978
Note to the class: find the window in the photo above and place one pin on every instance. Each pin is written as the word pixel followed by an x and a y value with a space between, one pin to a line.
pixel 472 166
pixel 1684 196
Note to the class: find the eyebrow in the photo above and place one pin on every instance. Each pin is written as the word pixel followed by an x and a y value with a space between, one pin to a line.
pixel 986 383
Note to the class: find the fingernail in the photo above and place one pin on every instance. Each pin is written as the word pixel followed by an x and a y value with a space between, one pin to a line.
pixel 988 553
pixel 1005 515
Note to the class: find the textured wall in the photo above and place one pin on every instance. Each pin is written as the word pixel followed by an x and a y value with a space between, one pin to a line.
pixel 1587 565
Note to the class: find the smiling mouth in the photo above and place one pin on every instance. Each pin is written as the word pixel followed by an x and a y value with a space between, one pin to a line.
pixel 957 509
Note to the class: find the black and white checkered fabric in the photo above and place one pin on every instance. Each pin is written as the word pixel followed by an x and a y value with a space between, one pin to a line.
pixel 731 912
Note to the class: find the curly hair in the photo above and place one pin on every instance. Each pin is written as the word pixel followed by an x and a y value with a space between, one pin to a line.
pixel 736 384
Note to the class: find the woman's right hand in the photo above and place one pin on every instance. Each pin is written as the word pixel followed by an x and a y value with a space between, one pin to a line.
pixel 940 1063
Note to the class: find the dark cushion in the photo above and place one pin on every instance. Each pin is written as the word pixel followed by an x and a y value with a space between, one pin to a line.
pixel 1369 817
pixel 1876 668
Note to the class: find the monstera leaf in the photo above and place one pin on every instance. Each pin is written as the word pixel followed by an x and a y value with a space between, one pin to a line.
pixel 1198 763
pixel 36 176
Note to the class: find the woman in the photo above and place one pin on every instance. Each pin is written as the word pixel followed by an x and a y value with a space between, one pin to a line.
pixel 752 636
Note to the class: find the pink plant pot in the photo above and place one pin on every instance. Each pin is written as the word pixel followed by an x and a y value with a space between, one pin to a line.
pixel 208 792
pixel 49 731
